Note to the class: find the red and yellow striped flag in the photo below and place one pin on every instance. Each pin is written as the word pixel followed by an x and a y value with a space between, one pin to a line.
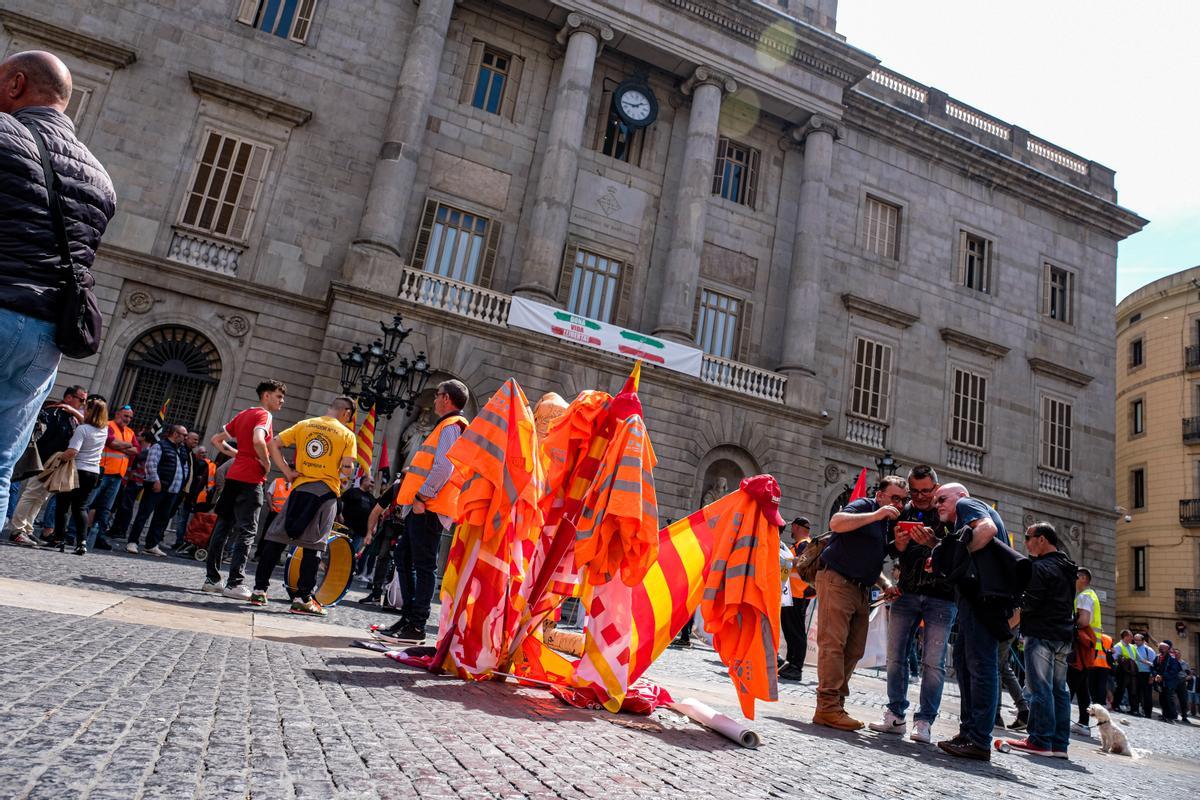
pixel 365 446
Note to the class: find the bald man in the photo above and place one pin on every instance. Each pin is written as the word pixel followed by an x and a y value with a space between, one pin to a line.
pixel 35 87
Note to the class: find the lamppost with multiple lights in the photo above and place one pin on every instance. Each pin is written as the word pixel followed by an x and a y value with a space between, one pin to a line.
pixel 374 377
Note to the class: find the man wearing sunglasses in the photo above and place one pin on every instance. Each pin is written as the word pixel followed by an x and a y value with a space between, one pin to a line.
pixel 851 565
pixel 975 652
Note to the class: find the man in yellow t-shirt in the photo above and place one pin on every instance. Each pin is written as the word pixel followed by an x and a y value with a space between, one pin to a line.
pixel 325 455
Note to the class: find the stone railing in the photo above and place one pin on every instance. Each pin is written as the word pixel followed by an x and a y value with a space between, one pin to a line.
pixel 743 378
pixel 1187 602
pixel 865 431
pixel 945 111
pixel 964 459
pixel 900 84
pixel 205 253
pixel 977 118
pixel 464 299
pixel 1055 483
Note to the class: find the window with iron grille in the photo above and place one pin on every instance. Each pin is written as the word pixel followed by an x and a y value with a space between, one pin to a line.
pixel 736 176
pixel 617 139
pixel 456 244
pixel 173 365
pixel 595 285
pixel 882 228
pixel 1139 576
pixel 967 420
pixel 1137 416
pixel 1137 353
pixel 225 185
pixel 1058 286
pixel 872 379
pixel 1056 434
pixel 975 262
pixel 288 19
pixel 1137 488
pixel 718 327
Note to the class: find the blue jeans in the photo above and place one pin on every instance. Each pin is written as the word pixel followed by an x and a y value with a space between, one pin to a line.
pixel 904 617
pixel 978 676
pixel 102 501
pixel 1047 694
pixel 27 373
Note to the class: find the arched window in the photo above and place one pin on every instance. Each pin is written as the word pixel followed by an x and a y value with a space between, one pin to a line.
pixel 173 364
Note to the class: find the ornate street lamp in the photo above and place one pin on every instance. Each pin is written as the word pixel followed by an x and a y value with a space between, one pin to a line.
pixel 886 465
pixel 373 378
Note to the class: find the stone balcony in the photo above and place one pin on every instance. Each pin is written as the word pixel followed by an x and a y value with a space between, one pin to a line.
pixel 964 459
pixel 491 307
pixel 1054 483
pixel 204 252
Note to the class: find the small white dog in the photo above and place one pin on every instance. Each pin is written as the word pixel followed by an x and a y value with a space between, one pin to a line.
pixel 1112 738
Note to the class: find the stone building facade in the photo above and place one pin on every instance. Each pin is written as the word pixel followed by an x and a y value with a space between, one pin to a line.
pixel 1158 461
pixel 868 264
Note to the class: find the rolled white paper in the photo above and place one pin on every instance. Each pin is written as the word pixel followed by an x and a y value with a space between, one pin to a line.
pixel 710 718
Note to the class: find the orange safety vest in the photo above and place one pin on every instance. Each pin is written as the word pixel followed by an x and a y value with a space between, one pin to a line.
pixel 1101 661
pixel 114 462
pixel 280 490
pixel 798 586
pixel 202 496
pixel 446 500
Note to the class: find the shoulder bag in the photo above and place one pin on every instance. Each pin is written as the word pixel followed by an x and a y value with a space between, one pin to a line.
pixel 79 324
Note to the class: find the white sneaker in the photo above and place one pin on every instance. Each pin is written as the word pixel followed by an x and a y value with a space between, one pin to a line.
pixel 131 548
pixel 237 592
pixel 154 551
pixel 211 587
pixel 921 732
pixel 891 724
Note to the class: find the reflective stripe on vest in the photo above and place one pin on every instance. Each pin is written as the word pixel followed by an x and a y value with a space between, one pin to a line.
pixel 446 500
pixel 279 494
pixel 1095 623
pixel 114 462
pixel 202 496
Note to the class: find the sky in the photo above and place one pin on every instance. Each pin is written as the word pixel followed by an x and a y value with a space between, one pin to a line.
pixel 1115 82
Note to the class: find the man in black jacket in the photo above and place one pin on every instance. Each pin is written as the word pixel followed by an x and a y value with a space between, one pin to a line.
pixel 34 90
pixel 1047 620
pixel 59 419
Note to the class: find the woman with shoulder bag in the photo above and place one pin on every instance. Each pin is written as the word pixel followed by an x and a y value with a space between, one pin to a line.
pixel 85 447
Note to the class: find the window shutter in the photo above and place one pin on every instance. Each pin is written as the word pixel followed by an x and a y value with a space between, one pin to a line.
pixel 606 101
pixel 488 267
pixel 256 172
pixel 1069 300
pixel 624 295
pixel 696 315
pixel 248 11
pixel 565 272
pixel 752 180
pixel 1046 288
pixel 745 321
pixel 421 248
pixel 471 75
pixel 722 152
pixel 303 21
pixel 512 87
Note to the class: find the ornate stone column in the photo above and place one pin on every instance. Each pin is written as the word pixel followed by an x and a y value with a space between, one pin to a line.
pixel 816 137
pixel 548 220
pixel 691 203
pixel 384 220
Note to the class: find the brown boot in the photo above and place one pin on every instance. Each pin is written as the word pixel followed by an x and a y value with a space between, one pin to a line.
pixel 838 719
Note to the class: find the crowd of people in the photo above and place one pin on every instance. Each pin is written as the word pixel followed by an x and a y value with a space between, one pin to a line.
pixel 1030 624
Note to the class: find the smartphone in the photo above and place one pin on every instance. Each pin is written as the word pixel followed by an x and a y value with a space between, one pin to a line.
pixel 908 527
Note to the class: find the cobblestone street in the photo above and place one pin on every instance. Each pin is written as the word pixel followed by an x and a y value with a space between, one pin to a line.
pixel 172 698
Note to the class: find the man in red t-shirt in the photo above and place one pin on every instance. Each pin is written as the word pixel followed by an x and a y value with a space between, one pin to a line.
pixel 241 498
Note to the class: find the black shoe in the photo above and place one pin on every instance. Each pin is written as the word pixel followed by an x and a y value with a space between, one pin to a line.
pixel 102 544
pixel 1021 722
pixel 790 672
pixel 681 644
pixel 372 599
pixel 999 723
pixel 405 633
pixel 966 749
pixel 80 550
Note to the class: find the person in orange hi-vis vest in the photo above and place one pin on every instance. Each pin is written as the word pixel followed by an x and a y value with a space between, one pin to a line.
pixel 276 497
pixel 793 619
pixel 428 503
pixel 119 449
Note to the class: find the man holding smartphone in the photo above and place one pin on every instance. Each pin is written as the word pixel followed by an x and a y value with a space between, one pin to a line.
pixel 924 598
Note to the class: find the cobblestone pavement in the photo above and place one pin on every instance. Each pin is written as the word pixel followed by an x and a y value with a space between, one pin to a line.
pixel 105 708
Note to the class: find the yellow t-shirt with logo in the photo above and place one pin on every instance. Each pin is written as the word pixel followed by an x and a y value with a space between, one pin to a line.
pixel 321 443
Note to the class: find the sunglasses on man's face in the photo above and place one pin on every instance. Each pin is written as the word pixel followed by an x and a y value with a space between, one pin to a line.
pixel 937 501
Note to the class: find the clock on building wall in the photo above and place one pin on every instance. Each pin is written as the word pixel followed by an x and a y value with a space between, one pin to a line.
pixel 636 105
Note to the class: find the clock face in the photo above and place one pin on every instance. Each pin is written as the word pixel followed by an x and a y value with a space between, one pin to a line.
pixel 635 105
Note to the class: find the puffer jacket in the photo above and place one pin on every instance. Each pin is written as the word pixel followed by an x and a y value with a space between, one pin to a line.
pixel 30 274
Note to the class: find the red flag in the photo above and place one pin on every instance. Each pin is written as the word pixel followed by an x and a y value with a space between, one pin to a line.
pixel 860 487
